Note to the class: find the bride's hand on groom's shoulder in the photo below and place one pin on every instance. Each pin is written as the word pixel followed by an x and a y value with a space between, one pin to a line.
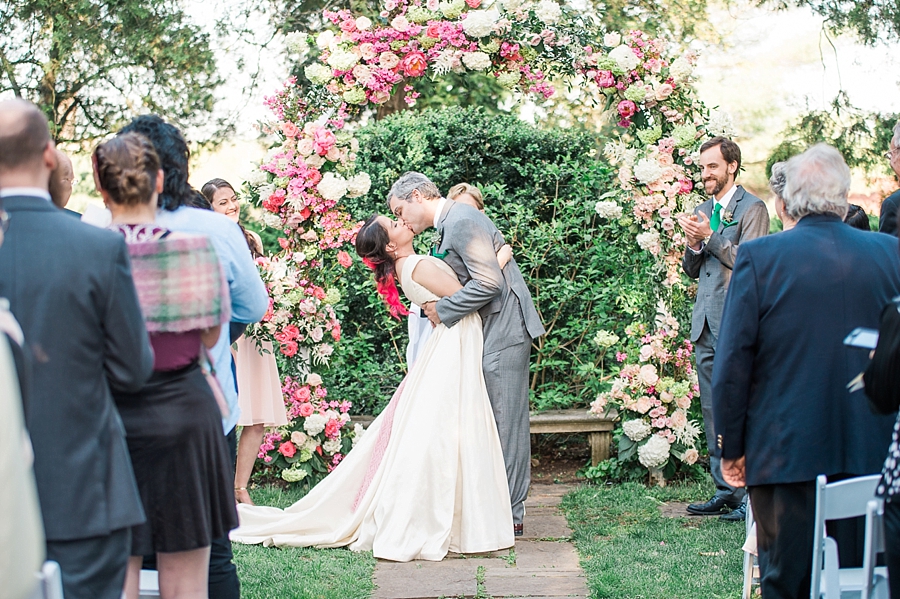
pixel 430 310
pixel 504 255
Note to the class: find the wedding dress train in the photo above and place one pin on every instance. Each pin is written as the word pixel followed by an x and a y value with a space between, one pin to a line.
pixel 427 476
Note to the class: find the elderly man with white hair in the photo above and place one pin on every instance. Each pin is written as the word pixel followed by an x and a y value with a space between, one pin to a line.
pixel 887 222
pixel 783 413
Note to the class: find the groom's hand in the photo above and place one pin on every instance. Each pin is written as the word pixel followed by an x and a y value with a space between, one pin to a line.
pixel 430 310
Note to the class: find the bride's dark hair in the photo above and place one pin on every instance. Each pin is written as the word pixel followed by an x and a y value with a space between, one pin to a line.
pixel 371 246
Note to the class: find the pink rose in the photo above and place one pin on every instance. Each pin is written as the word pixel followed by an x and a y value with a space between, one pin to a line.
pixel 626 109
pixel 646 353
pixel 388 60
pixel 344 259
pixel 648 374
pixel 473 3
pixel 414 64
pixel 323 140
pixel 289 348
pixel 678 419
pixel 434 30
pixel 665 212
pixel 683 402
pixel 332 428
pixel 292 331
pixel 287 449
pixel 367 51
pixel 290 129
pixel 380 97
pixel 302 395
pixel 642 404
pixel 690 456
pixel 306 409
pixel 664 91
pixel 348 26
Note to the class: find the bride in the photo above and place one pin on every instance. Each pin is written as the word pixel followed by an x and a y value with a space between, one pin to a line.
pixel 428 476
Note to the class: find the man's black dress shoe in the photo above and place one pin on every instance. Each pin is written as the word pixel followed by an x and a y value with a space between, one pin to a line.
pixel 518 529
pixel 713 507
pixel 738 514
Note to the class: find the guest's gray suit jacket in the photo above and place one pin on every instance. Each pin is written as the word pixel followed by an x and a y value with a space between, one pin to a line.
pixel 69 285
pixel 469 243
pixel 713 263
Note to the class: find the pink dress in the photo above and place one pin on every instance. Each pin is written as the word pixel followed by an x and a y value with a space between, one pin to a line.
pixel 259 386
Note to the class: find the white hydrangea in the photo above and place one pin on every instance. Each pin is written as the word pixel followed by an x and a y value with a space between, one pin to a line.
pixel 480 23
pixel 343 60
pixel 317 73
pixel 514 5
pixel 476 61
pixel 293 475
pixel 359 185
pixel 647 170
pixel 325 39
pixel 296 43
pixel 605 339
pixel 358 432
pixel 649 240
pixel 271 220
pixel 611 40
pixel 625 57
pixel 548 12
pixel 680 69
pixel 608 209
pixel 654 452
pixel 332 187
pixel 636 429
pixel 257 177
pixel 331 446
pixel 314 424
pixel 720 123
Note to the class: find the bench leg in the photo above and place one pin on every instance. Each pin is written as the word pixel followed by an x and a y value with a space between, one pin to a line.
pixel 600 443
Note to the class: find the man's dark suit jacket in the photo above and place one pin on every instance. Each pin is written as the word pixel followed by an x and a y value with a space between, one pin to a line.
pixel 69 285
pixel 780 379
pixel 887 221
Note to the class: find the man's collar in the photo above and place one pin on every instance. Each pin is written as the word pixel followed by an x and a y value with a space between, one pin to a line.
pixel 440 209
pixel 8 192
pixel 726 199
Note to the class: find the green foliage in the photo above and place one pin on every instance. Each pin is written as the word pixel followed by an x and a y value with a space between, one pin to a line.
pixel 585 273
pixel 628 549
pixel 861 137
pixel 93 64
pixel 872 20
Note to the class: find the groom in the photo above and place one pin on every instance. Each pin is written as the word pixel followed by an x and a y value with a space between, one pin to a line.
pixel 468 241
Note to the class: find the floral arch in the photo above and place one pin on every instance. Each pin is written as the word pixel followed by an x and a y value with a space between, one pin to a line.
pixel 646 82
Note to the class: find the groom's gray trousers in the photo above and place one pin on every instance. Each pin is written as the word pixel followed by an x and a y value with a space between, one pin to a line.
pixel 506 378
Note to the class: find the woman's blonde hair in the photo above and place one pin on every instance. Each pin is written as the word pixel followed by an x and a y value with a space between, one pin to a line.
pixel 461 188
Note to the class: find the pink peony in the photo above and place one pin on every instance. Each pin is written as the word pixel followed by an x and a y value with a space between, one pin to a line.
pixel 306 409
pixel 414 64
pixel 473 3
pixel 626 109
pixel 605 79
pixel 287 449
pixel 323 140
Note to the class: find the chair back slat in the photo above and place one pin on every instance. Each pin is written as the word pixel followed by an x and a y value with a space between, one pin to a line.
pixel 848 498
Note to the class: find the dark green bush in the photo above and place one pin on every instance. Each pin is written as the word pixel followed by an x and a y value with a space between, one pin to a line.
pixel 586 274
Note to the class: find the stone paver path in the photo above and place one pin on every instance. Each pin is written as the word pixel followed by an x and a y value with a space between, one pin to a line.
pixel 543 565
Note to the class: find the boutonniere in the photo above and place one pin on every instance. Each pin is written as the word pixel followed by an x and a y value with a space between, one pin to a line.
pixel 728 218
pixel 436 239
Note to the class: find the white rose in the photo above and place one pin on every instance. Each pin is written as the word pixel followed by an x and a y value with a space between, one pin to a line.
pixel 476 61
pixel 325 39
pixel 313 379
pixel 480 23
pixel 359 185
pixel 272 220
pixel 654 452
pixel 315 161
pixel 611 40
pixel 400 23
pixel 257 177
pixel 298 438
pixel 625 58
pixel 332 187
pixel 362 74
pixel 548 12
pixel 363 23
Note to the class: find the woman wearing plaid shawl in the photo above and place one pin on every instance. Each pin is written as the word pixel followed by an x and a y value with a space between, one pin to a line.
pixel 174 427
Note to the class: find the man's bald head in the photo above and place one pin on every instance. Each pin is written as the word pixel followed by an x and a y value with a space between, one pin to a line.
pixel 61 180
pixel 26 150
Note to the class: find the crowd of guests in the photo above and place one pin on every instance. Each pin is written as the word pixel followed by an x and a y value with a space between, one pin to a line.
pixel 769 323
pixel 121 337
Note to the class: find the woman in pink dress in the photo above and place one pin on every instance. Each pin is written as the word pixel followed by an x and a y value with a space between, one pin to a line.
pixel 259 385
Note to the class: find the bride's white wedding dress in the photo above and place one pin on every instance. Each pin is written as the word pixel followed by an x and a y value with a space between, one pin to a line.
pixel 426 477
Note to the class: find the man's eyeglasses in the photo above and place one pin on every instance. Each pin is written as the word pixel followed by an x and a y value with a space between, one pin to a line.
pixel 890 153
pixel 4 220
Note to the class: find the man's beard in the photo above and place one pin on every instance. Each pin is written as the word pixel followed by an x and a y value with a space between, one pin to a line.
pixel 720 185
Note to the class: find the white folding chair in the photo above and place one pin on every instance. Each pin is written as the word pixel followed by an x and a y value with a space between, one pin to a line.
pixel 49 582
pixel 149 584
pixel 875 581
pixel 836 501
pixel 751 565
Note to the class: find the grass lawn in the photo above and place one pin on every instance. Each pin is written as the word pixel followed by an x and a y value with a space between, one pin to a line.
pixel 293 573
pixel 630 551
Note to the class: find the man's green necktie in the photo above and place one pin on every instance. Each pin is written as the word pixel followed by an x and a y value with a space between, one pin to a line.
pixel 714 220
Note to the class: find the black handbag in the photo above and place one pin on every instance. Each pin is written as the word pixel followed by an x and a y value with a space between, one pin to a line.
pixel 882 376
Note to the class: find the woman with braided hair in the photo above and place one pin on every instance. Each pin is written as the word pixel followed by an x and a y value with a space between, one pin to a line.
pixel 428 476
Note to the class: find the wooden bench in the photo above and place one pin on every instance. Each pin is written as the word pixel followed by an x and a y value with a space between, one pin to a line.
pixel 598 428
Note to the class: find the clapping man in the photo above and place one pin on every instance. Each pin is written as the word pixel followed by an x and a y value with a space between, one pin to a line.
pixel 887 221
pixel 714 232
pixel 69 286
pixel 783 412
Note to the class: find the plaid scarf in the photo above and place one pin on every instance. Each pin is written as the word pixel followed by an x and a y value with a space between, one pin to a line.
pixel 180 284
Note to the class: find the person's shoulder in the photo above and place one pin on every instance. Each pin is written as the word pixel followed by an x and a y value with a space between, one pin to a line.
pixel 463 213
pixel 748 197
pixel 894 198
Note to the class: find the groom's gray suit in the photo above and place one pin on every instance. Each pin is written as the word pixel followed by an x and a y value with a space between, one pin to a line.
pixel 469 243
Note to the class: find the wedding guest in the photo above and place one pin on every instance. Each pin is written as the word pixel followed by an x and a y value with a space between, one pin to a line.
pixel 857 217
pixel 783 412
pixel 729 218
pixel 184 299
pixel 61 180
pixel 249 300
pixel 887 222
pixel 22 536
pixel 776 184
pixel 467 194
pixel 258 381
pixel 69 286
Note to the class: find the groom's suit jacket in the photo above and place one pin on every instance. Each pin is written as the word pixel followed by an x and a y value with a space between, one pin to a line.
pixel 69 285
pixel 713 263
pixel 469 243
